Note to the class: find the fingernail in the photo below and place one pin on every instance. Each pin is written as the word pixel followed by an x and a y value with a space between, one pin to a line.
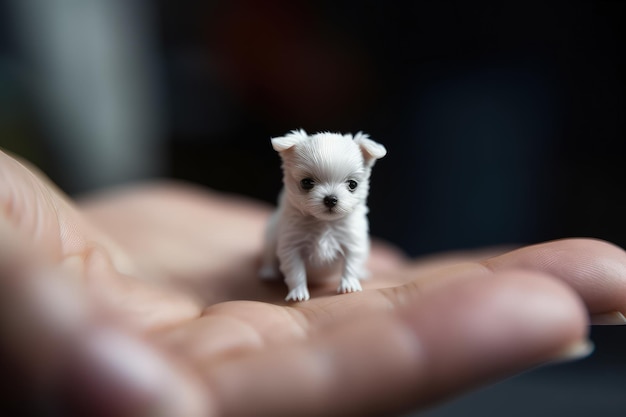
pixel 142 379
pixel 608 319
pixel 574 352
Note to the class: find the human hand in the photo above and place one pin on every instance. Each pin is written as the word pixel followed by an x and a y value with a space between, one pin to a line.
pixel 147 302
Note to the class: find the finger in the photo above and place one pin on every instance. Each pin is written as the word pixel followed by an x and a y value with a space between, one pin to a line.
pixel 606 285
pixel 385 256
pixel 464 334
pixel 75 360
pixel 194 220
pixel 595 269
pixel 213 241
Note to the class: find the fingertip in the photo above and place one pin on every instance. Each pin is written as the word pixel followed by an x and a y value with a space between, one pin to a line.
pixel 595 269
pixel 492 326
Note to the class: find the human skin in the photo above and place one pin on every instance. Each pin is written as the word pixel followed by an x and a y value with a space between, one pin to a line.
pixel 144 300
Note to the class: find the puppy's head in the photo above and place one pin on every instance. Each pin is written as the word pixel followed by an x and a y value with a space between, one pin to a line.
pixel 326 175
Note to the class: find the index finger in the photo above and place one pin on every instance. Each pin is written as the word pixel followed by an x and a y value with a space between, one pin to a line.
pixel 595 269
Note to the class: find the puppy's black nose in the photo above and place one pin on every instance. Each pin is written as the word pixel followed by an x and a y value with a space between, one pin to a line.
pixel 330 201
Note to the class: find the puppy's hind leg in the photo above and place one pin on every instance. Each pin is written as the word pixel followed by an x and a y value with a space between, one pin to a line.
pixel 269 259
pixel 269 266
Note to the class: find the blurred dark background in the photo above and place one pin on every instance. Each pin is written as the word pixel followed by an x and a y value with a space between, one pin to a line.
pixel 505 122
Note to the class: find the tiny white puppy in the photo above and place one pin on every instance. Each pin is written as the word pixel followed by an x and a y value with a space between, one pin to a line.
pixel 320 226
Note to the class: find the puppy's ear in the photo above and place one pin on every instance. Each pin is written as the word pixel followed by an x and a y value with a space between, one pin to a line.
pixel 371 150
pixel 289 140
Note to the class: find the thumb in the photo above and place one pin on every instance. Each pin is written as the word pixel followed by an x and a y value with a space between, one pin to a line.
pixel 70 355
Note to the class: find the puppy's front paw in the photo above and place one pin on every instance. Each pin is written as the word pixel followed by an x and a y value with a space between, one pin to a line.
pixel 349 285
pixel 300 293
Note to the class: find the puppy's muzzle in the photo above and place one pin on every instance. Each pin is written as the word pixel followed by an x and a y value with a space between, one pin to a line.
pixel 330 201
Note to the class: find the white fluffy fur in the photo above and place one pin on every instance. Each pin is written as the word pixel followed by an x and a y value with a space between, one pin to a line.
pixel 307 239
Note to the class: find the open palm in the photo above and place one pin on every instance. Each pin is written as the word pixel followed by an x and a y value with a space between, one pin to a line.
pixel 173 269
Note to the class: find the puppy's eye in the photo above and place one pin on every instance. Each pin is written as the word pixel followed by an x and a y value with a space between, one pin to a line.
pixel 352 184
pixel 307 184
